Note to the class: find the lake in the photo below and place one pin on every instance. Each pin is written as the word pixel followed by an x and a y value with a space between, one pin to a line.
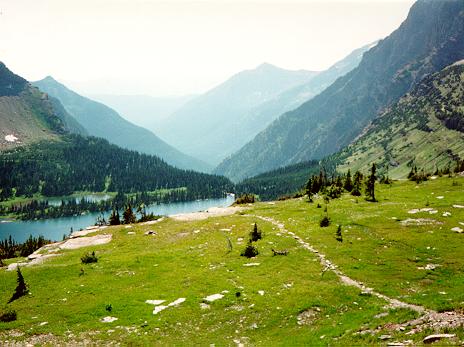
pixel 54 229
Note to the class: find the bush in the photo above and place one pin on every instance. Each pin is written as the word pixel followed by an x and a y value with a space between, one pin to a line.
pixel 325 222
pixel 245 199
pixel 148 217
pixel 89 258
pixel 8 316
pixel 250 251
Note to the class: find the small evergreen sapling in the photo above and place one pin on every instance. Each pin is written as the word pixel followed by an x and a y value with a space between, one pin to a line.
pixel 21 288
pixel 250 251
pixel 256 234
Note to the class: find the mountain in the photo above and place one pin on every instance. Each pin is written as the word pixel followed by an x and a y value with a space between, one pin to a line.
pixel 424 129
pixel 143 110
pixel 39 153
pixel 102 121
pixel 258 118
pixel 209 126
pixel 28 115
pixel 431 38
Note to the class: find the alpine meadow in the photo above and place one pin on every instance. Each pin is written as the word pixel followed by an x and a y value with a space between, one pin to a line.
pixel 232 173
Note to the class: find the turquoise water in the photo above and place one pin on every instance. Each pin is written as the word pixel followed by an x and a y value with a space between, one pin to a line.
pixel 54 229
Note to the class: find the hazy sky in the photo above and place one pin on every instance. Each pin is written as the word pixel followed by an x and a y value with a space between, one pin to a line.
pixel 178 47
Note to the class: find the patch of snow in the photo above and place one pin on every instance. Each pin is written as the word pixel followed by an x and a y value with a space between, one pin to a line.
pixel 11 138
pixel 261 292
pixel 446 214
pixel 177 302
pixel 155 302
pixel 213 297
pixel 458 206
pixel 158 309
pixel 108 319
pixel 457 229
pixel 440 197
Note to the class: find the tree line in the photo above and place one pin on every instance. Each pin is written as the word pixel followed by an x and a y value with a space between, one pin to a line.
pixel 91 164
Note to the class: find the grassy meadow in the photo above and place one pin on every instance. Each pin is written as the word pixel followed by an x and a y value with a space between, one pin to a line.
pixel 267 300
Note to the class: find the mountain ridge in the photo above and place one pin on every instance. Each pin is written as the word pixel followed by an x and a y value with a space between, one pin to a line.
pixel 429 39
pixel 101 121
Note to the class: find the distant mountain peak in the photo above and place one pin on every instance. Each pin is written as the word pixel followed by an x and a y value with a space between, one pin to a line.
pixel 50 79
pixel 267 66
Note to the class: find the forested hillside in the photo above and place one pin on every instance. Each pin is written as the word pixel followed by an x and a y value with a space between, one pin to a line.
pixel 79 163
pixel 276 183
pixel 424 129
pixel 102 121
pixel 431 38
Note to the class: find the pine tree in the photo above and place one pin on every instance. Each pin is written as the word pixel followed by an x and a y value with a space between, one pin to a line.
pixel 114 217
pixel 21 288
pixel 370 184
pixel 255 235
pixel 128 215
pixel 348 185
pixel 357 180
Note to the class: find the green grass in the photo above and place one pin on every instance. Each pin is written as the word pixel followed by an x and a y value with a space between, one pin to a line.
pixel 177 262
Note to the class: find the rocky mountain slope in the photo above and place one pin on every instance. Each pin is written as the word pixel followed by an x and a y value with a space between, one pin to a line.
pixel 28 115
pixel 424 129
pixel 431 38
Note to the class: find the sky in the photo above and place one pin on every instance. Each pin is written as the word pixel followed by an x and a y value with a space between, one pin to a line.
pixel 178 47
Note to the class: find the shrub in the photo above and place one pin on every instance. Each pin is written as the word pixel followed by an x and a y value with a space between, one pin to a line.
pixel 8 316
pixel 148 217
pixel 89 258
pixel 250 251
pixel 245 199
pixel 325 222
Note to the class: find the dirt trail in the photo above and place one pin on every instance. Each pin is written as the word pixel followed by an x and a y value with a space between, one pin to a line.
pixel 429 319
pixel 328 265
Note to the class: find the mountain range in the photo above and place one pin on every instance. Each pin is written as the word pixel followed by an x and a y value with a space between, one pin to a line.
pixel 101 121
pixel 209 126
pixel 431 38
pixel 44 150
